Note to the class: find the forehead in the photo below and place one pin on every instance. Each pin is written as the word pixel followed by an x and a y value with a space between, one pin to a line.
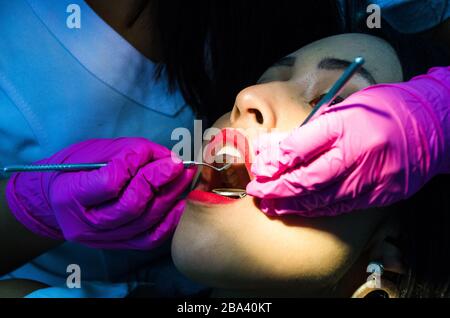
pixel 381 60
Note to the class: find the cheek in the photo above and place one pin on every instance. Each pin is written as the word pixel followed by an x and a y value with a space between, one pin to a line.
pixel 291 119
pixel 291 109
pixel 239 247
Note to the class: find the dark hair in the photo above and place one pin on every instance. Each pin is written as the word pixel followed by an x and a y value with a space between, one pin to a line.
pixel 417 51
pixel 213 49
pixel 424 241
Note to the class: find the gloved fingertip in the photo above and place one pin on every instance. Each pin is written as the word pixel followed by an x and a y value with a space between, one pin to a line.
pixel 159 151
pixel 175 159
pixel 179 210
pixel 280 207
pixel 190 173
pixel 261 168
pixel 174 162
pixel 254 189
pixel 267 206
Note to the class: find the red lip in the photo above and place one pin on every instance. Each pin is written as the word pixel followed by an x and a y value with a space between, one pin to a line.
pixel 208 197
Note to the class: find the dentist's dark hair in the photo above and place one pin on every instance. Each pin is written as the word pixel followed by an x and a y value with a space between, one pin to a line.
pixel 213 49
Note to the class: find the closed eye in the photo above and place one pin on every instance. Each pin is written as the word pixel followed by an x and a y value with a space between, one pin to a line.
pixel 337 100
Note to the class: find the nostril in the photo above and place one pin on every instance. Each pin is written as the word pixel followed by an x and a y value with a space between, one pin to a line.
pixel 258 116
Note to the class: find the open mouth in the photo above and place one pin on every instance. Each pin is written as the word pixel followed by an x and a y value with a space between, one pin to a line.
pixel 227 186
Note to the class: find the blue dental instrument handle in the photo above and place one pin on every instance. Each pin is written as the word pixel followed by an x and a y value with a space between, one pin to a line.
pixel 52 167
pixel 81 167
pixel 337 87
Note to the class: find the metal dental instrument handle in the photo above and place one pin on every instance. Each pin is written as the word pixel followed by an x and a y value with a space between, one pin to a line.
pixel 52 167
pixel 337 86
pixel 85 167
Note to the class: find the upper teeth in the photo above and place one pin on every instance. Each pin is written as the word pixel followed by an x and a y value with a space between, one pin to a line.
pixel 230 151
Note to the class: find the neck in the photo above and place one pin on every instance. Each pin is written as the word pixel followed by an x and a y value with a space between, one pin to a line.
pixel 354 277
pixel 132 19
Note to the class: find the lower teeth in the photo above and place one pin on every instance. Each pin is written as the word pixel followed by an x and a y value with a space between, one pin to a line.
pixel 231 193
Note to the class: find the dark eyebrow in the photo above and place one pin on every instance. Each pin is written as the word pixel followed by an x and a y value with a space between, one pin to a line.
pixel 285 61
pixel 337 64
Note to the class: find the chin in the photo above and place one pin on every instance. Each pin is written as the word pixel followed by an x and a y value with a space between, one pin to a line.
pixel 197 245
pixel 215 245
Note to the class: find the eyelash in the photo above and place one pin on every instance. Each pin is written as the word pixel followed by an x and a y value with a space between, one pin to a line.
pixel 337 100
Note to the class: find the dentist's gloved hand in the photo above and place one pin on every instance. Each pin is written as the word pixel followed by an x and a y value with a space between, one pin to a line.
pixel 131 203
pixel 379 146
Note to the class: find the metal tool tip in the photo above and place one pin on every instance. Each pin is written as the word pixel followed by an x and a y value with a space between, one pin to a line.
pixel 225 167
pixel 359 60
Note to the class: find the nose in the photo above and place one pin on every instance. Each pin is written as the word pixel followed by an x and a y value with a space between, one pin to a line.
pixel 254 108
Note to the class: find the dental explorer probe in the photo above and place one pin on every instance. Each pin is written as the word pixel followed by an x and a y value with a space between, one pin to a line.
pixel 337 86
pixel 85 167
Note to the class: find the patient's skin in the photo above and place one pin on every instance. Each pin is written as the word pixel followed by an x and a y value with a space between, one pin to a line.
pixel 236 247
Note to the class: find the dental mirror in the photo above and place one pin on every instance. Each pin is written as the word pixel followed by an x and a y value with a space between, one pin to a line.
pixel 230 193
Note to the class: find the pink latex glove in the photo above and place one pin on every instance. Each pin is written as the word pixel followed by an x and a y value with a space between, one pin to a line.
pixel 131 203
pixel 379 146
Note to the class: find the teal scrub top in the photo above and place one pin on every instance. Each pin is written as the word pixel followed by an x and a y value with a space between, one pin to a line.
pixel 61 85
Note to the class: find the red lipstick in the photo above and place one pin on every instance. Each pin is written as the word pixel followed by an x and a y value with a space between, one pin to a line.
pixel 208 197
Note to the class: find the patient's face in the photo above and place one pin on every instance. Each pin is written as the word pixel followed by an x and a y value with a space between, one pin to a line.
pixel 230 243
